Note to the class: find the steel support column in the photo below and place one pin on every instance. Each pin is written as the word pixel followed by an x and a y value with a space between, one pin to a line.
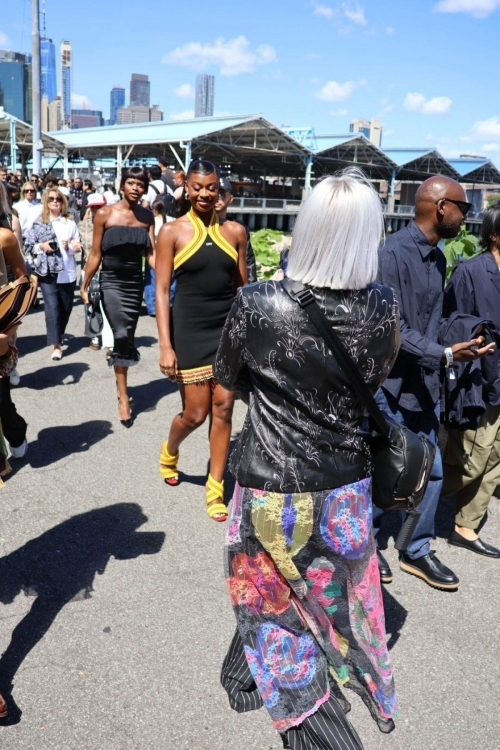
pixel 307 181
pixel 392 192
pixel 66 164
pixel 119 166
pixel 13 146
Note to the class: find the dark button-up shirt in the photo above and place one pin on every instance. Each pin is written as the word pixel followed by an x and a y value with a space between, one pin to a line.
pixel 474 289
pixel 415 270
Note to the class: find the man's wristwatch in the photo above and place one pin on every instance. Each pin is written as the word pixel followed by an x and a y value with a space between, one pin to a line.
pixel 448 353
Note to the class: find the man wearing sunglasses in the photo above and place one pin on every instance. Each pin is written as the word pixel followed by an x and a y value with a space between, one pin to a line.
pixel 414 266
pixel 28 208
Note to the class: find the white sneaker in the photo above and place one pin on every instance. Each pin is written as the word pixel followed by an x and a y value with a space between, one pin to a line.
pixel 15 378
pixel 20 451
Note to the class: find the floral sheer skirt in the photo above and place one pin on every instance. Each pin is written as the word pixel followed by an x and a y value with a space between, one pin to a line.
pixel 303 579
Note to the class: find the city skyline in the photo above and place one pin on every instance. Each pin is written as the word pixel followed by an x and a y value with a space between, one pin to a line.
pixel 332 62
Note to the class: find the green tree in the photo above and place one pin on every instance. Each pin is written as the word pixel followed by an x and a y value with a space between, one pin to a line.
pixel 492 199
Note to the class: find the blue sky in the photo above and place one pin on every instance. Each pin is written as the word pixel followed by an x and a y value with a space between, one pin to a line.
pixel 427 68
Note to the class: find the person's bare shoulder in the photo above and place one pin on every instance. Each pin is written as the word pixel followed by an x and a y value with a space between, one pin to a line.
pixel 235 231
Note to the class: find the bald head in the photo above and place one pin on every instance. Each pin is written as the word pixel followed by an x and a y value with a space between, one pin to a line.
pixel 435 209
pixel 436 188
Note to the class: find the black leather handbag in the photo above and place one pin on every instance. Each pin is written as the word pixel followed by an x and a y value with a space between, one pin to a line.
pixel 402 460
pixel 94 321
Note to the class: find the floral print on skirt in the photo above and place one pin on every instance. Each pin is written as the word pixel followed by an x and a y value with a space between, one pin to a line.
pixel 303 579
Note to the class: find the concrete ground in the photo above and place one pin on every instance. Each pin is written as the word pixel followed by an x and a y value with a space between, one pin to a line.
pixel 113 586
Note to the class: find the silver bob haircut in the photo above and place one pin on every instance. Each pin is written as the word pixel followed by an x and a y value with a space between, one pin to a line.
pixel 337 233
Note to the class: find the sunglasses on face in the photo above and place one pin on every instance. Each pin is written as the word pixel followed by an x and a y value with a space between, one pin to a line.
pixel 463 206
pixel 55 200
pixel 28 190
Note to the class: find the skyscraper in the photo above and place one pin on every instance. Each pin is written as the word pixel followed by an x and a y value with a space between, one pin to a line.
pixel 66 83
pixel 371 129
pixel 204 101
pixel 139 90
pixel 117 100
pixel 48 69
pixel 15 84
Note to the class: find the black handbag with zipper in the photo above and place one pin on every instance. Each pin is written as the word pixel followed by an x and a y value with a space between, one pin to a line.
pixel 94 321
pixel 402 460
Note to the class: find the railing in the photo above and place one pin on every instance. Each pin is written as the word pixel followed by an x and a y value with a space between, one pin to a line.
pixel 266 204
pixel 400 210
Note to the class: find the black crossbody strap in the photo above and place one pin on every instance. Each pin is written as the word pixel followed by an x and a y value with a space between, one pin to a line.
pixel 307 301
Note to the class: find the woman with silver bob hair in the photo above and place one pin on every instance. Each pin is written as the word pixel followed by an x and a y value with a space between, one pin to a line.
pixel 300 558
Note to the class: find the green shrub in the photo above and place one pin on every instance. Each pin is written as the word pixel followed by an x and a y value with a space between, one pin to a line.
pixel 267 255
pixel 460 248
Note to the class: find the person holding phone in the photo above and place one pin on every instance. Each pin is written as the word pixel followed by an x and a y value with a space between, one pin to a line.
pixel 50 248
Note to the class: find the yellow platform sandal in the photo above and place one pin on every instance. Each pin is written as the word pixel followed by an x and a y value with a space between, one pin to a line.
pixel 168 466
pixel 215 491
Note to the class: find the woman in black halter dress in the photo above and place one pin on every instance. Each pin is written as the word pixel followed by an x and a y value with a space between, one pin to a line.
pixel 209 260
pixel 123 235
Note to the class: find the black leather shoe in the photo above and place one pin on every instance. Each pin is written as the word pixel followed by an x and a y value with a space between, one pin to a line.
pixel 383 568
pixel 431 570
pixel 477 546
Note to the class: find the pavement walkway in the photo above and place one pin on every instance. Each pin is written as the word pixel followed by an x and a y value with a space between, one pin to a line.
pixel 112 585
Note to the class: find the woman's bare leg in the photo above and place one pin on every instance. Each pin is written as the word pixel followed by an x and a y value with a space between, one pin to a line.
pixel 121 386
pixel 220 429
pixel 196 400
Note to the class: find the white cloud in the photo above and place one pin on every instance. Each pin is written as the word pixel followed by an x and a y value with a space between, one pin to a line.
pixel 4 39
pixel 491 147
pixel 487 130
pixel 388 133
pixel 323 10
pixel 80 101
pixel 385 110
pixel 339 112
pixel 354 13
pixel 439 105
pixel 465 139
pixel 389 30
pixel 184 91
pixel 350 10
pixel 186 114
pixel 232 57
pixel 335 92
pixel 477 8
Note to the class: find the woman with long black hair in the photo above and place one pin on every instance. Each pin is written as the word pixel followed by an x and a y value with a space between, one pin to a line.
pixel 123 235
pixel 209 264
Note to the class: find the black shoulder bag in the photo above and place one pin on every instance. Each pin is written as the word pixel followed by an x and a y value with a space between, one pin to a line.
pixel 94 321
pixel 402 460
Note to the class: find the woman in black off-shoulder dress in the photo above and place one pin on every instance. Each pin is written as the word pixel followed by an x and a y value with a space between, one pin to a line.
pixel 123 235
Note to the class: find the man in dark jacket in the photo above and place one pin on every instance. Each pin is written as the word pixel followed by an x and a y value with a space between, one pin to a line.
pixel 472 457
pixel 225 200
pixel 413 265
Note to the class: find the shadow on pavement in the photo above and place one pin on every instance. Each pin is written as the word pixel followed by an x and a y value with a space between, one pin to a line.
pixel 54 375
pixel 31 344
pixel 55 443
pixel 146 397
pixel 145 341
pixel 395 618
pixel 59 567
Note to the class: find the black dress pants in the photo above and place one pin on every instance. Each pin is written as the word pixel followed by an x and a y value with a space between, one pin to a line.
pixel 58 303
pixel 327 729
pixel 13 425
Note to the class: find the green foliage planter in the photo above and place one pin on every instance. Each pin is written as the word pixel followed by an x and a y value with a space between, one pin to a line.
pixel 460 248
pixel 265 243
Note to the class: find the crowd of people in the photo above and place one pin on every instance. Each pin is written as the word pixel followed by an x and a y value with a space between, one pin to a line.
pixel 302 565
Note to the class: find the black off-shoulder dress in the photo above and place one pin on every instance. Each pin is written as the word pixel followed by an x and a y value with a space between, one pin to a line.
pixel 122 284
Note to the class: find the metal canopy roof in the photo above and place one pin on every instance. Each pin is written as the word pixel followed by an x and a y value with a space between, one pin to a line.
pixel 419 164
pixel 337 151
pixel 246 140
pixel 477 170
pixel 24 137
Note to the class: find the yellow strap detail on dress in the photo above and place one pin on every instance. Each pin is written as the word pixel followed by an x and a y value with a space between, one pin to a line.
pixel 215 233
pixel 168 463
pixel 200 233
